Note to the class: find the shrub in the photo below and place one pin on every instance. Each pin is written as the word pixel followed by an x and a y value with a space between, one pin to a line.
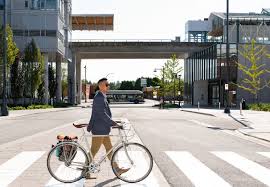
pixel 260 107
pixel 39 107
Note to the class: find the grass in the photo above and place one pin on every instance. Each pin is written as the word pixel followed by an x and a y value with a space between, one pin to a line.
pixel 30 107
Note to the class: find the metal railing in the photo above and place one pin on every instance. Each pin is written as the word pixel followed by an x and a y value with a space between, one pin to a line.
pixel 122 40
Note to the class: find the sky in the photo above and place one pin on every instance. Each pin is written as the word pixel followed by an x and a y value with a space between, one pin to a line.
pixel 147 19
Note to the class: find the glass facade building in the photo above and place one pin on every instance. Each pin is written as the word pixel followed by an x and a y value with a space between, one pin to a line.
pixel 206 71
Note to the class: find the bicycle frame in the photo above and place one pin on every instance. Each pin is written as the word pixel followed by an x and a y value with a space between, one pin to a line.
pixel 122 141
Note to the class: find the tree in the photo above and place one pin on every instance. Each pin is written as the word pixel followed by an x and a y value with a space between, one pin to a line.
pixel 253 71
pixel 171 70
pixel 35 68
pixel 12 50
pixel 12 54
pixel 65 82
pixel 126 85
pixel 52 81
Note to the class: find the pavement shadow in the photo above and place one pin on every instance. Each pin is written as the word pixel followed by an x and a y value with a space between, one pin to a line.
pixel 241 121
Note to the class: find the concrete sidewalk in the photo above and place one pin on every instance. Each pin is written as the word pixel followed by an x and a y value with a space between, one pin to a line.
pixel 255 123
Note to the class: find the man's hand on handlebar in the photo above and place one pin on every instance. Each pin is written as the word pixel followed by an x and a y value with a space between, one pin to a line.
pixel 117 125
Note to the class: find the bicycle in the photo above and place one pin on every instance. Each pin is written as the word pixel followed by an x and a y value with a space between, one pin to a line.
pixel 75 162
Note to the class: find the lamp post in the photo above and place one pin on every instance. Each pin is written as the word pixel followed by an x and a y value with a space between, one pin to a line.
pixel 4 109
pixel 174 76
pixel 163 89
pixel 227 109
pixel 85 84
pixel 179 84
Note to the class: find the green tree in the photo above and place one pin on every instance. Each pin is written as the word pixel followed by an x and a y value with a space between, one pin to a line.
pixel 12 50
pixel 65 82
pixel 126 85
pixel 253 71
pixel 52 81
pixel 12 54
pixel 172 68
pixel 137 85
pixel 35 68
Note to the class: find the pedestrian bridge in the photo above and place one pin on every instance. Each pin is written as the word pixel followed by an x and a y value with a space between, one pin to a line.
pixel 134 49
pixel 122 49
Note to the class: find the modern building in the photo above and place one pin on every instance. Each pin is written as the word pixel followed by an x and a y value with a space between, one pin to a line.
pixel 50 23
pixel 206 70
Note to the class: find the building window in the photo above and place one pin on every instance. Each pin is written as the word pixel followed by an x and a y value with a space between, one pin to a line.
pixel 51 33
pixel 51 4
pixel 18 33
pixel 1 4
pixel 34 33
pixel 35 4
pixel 26 4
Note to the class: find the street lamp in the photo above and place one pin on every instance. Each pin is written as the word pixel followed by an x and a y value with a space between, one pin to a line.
pixel 227 108
pixel 4 109
pixel 179 84
pixel 163 89
pixel 85 84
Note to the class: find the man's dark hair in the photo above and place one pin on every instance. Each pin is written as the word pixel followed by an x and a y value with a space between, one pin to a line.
pixel 101 80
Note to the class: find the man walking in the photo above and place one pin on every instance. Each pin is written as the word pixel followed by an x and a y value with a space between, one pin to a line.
pixel 101 123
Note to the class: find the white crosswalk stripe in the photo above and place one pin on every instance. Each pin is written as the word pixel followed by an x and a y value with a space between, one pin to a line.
pixel 266 154
pixel 14 167
pixel 251 168
pixel 202 176
pixel 150 181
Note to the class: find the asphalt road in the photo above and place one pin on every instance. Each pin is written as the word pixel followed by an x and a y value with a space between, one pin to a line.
pixel 202 143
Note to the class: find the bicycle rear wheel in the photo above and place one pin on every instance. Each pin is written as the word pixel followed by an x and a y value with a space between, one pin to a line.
pixel 67 162
pixel 133 158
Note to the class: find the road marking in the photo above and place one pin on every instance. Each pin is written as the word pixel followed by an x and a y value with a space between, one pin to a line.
pixel 63 171
pixel 141 162
pixel 199 174
pixel 14 167
pixel 266 154
pixel 251 168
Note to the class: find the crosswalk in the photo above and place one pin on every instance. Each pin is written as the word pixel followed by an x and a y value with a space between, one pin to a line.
pixel 192 167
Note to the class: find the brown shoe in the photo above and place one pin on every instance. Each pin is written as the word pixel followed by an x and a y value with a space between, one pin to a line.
pixel 120 171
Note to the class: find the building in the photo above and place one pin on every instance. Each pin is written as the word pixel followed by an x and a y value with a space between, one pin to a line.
pixel 50 24
pixel 205 71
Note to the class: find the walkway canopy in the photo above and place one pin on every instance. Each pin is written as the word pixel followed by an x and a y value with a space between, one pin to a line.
pixel 92 22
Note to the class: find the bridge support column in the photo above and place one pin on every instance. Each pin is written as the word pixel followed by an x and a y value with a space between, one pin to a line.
pixel 46 79
pixel 72 80
pixel 58 78
pixel 78 81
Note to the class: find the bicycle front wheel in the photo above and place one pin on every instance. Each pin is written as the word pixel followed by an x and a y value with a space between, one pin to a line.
pixel 67 162
pixel 132 162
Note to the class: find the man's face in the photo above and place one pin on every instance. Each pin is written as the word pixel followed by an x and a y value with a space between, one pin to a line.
pixel 104 86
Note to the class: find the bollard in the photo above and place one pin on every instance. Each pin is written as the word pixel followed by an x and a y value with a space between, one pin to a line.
pixel 219 105
pixel 241 107
pixel 198 105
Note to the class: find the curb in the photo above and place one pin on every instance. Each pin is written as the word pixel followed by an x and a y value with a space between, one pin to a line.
pixel 202 113
pixel 37 112
pixel 247 134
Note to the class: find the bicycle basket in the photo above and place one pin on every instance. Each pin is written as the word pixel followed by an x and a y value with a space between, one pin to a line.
pixel 66 152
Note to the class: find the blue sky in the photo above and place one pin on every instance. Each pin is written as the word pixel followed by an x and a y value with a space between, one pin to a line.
pixel 148 19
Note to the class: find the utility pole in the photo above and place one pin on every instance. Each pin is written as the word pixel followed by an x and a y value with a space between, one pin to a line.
pixel 4 109
pixel 85 84
pixel 227 109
